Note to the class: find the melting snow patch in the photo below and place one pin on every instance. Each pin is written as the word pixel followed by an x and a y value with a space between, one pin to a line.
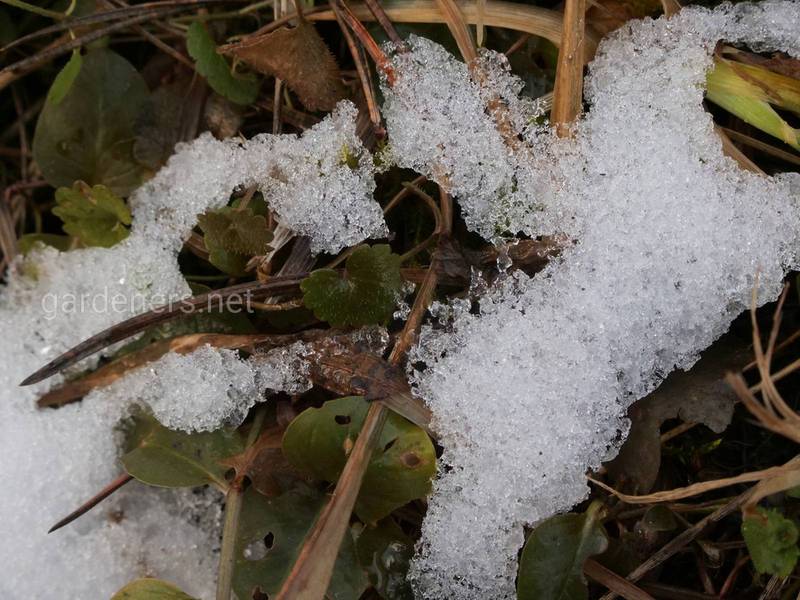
pixel 532 392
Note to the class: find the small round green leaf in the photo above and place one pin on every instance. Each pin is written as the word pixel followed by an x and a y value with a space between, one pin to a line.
pixel 366 294
pixel 150 589
pixel 87 134
pixel 551 566
pixel 401 467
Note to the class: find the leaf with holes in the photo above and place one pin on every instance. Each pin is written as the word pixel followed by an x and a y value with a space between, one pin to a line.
pixel 772 542
pixel 298 56
pixel 236 88
pixel 551 565
pixel 401 468
pixel 366 294
pixel 85 132
pixel 162 457
pixel 94 215
pixel 270 535
pixel 150 589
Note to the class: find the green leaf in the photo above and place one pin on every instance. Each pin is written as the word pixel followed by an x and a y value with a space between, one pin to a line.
pixel 400 470
pixel 150 589
pixel 367 293
pixel 236 230
pixel 551 566
pixel 385 552
pixel 161 457
pixel 30 240
pixel 216 70
pixel 94 215
pixel 271 533
pixel 159 126
pixel 88 134
pixel 65 78
pixel 772 542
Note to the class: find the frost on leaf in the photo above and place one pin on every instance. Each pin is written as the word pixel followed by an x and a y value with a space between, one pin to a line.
pixel 669 236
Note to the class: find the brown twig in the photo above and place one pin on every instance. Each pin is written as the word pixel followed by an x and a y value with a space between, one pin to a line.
pixel 457 25
pixel 92 502
pixel 614 582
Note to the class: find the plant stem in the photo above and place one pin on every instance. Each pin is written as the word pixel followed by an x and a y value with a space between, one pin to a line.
pixel 233 510
pixel 34 9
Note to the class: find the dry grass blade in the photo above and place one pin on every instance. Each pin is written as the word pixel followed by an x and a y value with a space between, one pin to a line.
pixel 682 540
pixel 764 147
pixel 299 57
pixel 383 19
pixel 568 90
pixel 108 374
pixel 92 502
pixel 459 29
pixel 702 487
pixel 311 573
pixel 508 15
pixel 733 151
pixel 614 582
pixel 236 295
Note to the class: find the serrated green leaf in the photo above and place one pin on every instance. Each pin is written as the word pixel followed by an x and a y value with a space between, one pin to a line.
pixel 162 457
pixel 270 536
pixel 94 215
pixel 29 241
pixel 772 542
pixel 216 70
pixel 400 470
pixel 88 134
pixel 551 565
pixel 65 78
pixel 367 293
pixel 385 552
pixel 150 589
pixel 238 231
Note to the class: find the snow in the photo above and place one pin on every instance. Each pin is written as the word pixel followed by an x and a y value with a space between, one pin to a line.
pixel 208 388
pixel 54 460
pixel 669 234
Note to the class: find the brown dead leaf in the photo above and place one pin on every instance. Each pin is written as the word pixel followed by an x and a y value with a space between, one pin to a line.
pixel 264 463
pixel 299 57
pixel 699 395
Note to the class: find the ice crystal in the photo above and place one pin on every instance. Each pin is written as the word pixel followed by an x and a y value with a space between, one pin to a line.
pixel 58 459
pixel 208 388
pixel 532 391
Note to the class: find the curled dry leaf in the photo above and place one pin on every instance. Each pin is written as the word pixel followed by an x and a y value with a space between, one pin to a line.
pixel 300 58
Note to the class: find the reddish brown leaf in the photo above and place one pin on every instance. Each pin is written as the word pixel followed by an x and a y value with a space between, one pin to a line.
pixel 300 58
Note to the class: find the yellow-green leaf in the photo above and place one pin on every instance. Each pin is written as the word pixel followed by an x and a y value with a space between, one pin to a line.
pixel 749 92
pixel 400 470
pixel 95 215
pixel 65 78
pixel 150 589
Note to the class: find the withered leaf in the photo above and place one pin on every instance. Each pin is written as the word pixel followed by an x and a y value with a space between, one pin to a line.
pixel 299 57
pixel 699 395
pixel 264 463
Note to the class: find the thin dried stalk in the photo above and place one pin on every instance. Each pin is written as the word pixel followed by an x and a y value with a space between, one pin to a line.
pixel 459 29
pixel 614 582
pixel 704 486
pixel 92 502
pixel 568 90
pixel 518 17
